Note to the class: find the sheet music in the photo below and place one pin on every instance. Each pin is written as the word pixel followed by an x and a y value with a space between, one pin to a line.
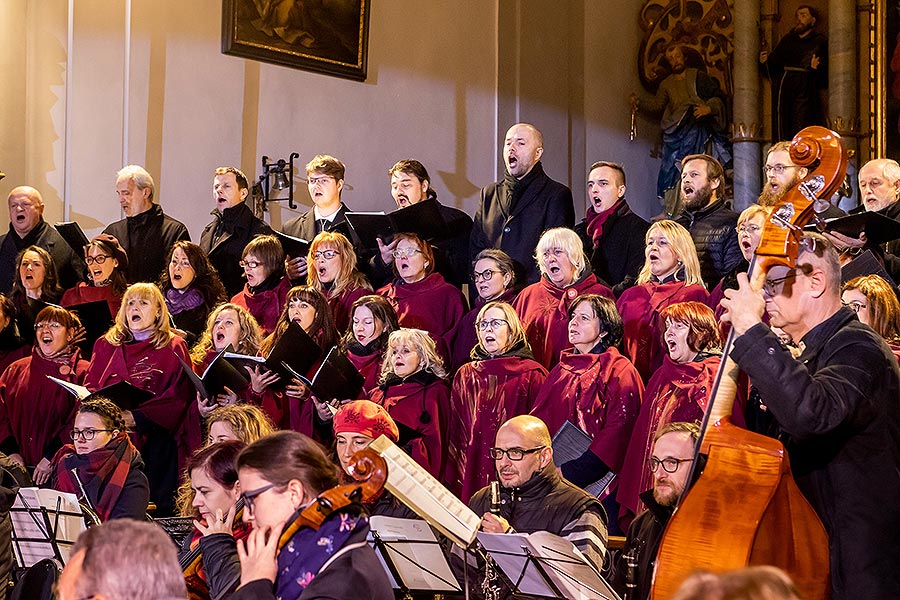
pixel 509 553
pixel 79 391
pixel 413 560
pixel 569 443
pixel 33 530
pixel 416 488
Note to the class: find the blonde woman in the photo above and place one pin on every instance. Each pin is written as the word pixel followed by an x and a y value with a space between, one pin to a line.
pixel 671 274
pixel 501 382
pixel 749 231
pixel 413 388
pixel 141 348
pixel 332 271
pixel 544 306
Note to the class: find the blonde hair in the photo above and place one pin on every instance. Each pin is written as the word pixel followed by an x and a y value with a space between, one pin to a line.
pixel 516 331
pixel 425 348
pixel 349 277
pixel 684 249
pixel 568 240
pixel 248 422
pixel 248 342
pixel 753 211
pixel 120 333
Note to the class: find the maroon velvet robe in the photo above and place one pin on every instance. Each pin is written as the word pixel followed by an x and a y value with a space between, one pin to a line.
pixel 37 412
pixel 640 307
pixel 544 311
pixel 424 408
pixel 369 366
pixel 485 394
pixel 601 393
pixel 341 306
pixel 265 306
pixel 465 337
pixel 431 304
pixel 84 293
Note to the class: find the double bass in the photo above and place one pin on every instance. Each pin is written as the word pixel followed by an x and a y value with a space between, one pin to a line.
pixel 745 508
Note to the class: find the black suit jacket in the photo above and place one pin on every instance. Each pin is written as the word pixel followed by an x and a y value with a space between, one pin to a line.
pixel 225 254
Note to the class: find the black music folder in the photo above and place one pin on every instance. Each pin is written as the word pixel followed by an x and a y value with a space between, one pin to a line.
pixel 335 379
pixel 218 375
pixel 424 219
pixel 877 227
pixel 295 352
pixel 95 317
pixel 123 394
pixel 74 236
pixel 293 246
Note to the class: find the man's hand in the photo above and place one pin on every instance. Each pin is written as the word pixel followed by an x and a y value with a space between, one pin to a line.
pixel 257 554
pixel 814 62
pixel 296 268
pixel 491 523
pixel 842 241
pixel 387 252
pixel 744 307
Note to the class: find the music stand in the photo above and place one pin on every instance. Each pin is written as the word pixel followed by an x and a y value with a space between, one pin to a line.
pixel 40 531
pixel 414 560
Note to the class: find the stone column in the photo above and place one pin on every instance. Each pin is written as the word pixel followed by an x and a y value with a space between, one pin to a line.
pixel 843 116
pixel 746 127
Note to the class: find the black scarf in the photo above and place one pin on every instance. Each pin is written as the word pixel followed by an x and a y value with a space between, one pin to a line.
pixel 515 188
pixel 521 349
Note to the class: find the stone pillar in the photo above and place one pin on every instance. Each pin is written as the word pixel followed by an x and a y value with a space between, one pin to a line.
pixel 843 116
pixel 746 127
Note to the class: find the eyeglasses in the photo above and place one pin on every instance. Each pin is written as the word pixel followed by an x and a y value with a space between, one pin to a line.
pixel 669 465
pixel 326 254
pixel 317 180
pixel 772 286
pixel 514 454
pixel 87 434
pixel 99 259
pixel 492 324
pixel 406 252
pixel 777 169
pixel 484 275
pixel 250 497
pixel 250 264
pixel 854 306
pixel 47 325
pixel 747 228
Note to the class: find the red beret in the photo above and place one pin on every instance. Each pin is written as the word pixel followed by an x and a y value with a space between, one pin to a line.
pixel 367 418
pixel 114 246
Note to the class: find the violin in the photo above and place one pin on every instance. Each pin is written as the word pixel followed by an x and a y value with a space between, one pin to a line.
pixel 745 508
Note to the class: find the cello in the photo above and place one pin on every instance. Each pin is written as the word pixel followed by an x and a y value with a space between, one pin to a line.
pixel 745 508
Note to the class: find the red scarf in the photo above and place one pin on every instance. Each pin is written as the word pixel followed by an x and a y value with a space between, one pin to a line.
pixel 596 220
pixel 111 464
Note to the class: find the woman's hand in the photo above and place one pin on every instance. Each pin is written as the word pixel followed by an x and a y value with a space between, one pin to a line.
pixel 129 419
pixel 42 472
pixel 258 554
pixel 323 409
pixel 261 378
pixel 220 524
pixel 226 398
pixel 296 389
pixel 205 406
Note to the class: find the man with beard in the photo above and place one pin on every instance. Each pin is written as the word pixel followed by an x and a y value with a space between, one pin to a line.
pixel 782 174
pixel 707 217
pixel 515 211
pixel 693 119
pixel 879 189
pixel 798 69
pixel 670 463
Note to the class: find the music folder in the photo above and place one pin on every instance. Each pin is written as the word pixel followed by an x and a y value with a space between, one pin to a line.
pixel 293 246
pixel 423 219
pixel 218 375
pixel 335 379
pixel 569 443
pixel 95 317
pixel 123 394
pixel 74 236
pixel 294 352
pixel 877 227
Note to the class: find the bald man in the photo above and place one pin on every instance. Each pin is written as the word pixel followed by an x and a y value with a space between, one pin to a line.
pixel 516 210
pixel 534 497
pixel 28 228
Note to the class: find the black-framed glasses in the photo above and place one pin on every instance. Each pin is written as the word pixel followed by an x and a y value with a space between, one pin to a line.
pixel 250 497
pixel 484 275
pixel 669 465
pixel 87 434
pixel 99 259
pixel 777 169
pixel 772 286
pixel 514 454
pixel 326 254
pixel 492 324
pixel 250 264
pixel 854 306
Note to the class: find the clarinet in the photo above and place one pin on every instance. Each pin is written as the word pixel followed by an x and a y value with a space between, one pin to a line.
pixel 631 574
pixel 490 587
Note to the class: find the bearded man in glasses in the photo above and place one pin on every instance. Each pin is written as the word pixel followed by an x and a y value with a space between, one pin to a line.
pixel 534 497
pixel 836 408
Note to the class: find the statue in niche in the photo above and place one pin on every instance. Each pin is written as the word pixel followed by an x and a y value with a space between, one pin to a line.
pixel 685 59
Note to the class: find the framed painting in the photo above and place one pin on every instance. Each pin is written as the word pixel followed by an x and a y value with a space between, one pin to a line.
pixel 326 37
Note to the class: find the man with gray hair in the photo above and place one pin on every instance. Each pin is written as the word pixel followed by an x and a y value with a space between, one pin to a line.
pixel 146 233
pixel 835 407
pixel 123 560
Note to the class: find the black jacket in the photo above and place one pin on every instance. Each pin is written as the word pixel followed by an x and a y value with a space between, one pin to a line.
pixel 642 543
pixel 236 227
pixel 147 238
pixel 304 226
pixel 838 412
pixel 541 204
pixel 620 253
pixel 712 229
pixel 69 266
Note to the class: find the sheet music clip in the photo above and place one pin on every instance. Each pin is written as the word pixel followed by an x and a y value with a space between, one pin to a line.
pixel 411 555
pixel 545 565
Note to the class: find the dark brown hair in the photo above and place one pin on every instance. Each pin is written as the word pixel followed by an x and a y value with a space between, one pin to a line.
pixel 206 278
pixel 288 455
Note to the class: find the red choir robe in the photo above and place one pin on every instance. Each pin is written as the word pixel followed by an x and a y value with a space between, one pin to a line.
pixel 676 392
pixel 12 348
pixel 421 402
pixel 485 394
pixel 431 304
pixel 544 311
pixel 640 307
pixel 265 306
pixel 464 337
pixel 84 293
pixel 36 412
pixel 368 362
pixel 601 393
pixel 341 306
